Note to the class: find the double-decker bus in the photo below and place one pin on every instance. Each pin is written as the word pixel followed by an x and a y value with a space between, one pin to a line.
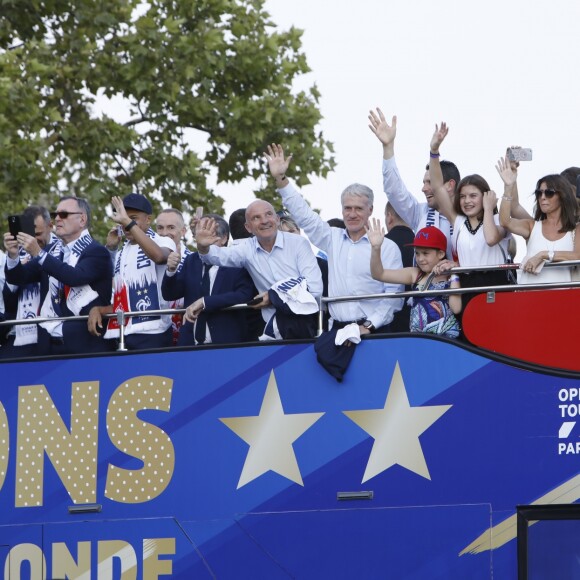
pixel 250 461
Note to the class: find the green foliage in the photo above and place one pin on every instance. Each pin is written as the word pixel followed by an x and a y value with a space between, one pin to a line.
pixel 205 85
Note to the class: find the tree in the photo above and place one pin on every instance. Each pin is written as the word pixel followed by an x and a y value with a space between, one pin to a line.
pixel 207 84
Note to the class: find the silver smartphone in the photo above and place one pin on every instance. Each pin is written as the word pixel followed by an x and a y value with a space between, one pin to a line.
pixel 519 154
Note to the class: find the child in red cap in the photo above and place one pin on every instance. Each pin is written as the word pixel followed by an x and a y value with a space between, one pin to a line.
pixel 432 314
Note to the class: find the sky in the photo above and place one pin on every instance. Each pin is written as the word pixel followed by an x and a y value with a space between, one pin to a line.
pixel 499 73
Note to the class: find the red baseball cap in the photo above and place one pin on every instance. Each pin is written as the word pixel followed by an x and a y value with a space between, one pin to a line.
pixel 430 237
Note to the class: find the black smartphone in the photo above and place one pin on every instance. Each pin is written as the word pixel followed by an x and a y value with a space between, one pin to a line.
pixel 255 301
pixel 20 223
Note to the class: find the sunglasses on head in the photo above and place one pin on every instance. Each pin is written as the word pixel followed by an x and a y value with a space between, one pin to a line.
pixel 63 214
pixel 548 193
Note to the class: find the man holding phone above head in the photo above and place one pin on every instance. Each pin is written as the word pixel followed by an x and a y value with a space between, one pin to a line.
pixel 139 268
pixel 207 290
pixel 23 302
pixel 76 272
pixel 282 266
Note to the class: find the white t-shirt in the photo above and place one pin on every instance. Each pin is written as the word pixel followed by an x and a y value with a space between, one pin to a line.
pixel 472 249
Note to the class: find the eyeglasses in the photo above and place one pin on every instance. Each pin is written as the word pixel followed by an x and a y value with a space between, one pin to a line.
pixel 548 193
pixel 63 214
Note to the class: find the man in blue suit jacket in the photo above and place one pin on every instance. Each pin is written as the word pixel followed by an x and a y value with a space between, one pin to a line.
pixel 78 273
pixel 207 291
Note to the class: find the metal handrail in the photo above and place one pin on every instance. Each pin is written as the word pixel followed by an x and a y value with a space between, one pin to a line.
pixel 121 316
pixel 502 267
pixel 451 291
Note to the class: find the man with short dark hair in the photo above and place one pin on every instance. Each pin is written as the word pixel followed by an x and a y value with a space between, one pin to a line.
pixel 416 214
pixel 139 268
pixel 23 302
pixel 237 224
pixel 77 272
pixel 207 290
pixel 399 232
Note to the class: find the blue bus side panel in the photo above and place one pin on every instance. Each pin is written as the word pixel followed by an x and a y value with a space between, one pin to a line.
pixel 250 447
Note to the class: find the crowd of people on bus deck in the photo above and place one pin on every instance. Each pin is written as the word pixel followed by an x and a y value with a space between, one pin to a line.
pixel 62 272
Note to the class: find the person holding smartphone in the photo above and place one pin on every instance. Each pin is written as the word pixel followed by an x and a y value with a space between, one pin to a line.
pixel 76 273
pixel 23 302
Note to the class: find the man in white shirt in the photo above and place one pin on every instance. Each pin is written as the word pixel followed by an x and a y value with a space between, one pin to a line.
pixel 276 261
pixel 418 215
pixel 170 223
pixel 348 250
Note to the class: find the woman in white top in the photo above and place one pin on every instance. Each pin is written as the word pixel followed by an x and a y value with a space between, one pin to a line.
pixel 552 235
pixel 477 232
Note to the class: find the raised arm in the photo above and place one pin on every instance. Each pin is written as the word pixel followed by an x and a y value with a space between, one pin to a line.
pixel 517 210
pixel 384 132
pixel 153 251
pixel 206 238
pixel 492 233
pixel 376 235
pixel 522 227
pixel 402 200
pixel 278 164
pixel 444 203
pixel 317 230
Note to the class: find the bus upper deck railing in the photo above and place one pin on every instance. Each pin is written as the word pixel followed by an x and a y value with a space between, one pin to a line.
pixel 490 290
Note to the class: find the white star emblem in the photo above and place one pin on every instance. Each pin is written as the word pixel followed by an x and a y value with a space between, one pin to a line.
pixel 270 436
pixel 396 429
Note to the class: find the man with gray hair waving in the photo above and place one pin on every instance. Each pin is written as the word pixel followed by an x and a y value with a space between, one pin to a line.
pixel 348 250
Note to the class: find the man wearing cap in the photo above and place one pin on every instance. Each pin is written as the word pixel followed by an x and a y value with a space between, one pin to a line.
pixel 282 266
pixel 77 273
pixel 139 268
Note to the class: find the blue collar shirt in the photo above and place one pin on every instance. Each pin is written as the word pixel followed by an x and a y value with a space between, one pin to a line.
pixel 349 269
pixel 291 256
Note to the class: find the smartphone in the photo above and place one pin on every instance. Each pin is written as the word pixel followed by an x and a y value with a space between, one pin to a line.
pixel 199 212
pixel 20 223
pixel 255 301
pixel 519 154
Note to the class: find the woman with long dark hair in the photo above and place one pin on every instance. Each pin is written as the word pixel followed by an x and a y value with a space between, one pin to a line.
pixel 552 236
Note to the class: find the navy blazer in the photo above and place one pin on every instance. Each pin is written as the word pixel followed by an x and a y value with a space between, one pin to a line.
pixel 231 286
pixel 93 268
